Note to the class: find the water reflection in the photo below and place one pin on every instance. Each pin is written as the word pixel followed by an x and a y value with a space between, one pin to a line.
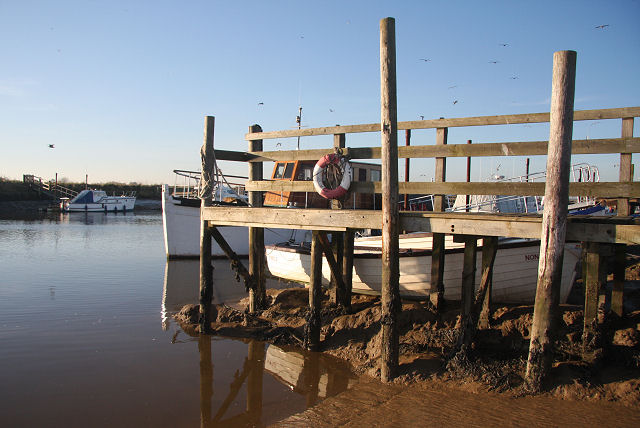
pixel 312 376
pixel 256 385
pixel 182 286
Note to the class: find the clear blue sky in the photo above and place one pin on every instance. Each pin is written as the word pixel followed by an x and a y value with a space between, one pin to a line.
pixel 121 88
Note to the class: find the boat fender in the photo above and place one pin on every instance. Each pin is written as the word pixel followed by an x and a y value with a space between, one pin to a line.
pixel 321 165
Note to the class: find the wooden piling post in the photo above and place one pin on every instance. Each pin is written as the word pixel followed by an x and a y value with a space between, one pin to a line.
pixel 554 219
pixel 257 257
pixel 338 291
pixel 347 266
pixel 436 292
pixel 206 269
pixel 312 328
pixel 390 243
pixel 592 278
pixel 469 273
pixel 626 175
pixel 255 358
pixel 206 379
pixel 489 250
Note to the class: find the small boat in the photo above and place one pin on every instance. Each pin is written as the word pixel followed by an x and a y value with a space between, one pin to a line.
pixel 90 200
pixel 515 271
pixel 181 218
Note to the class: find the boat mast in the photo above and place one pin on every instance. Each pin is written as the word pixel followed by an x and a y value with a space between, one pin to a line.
pixel 299 122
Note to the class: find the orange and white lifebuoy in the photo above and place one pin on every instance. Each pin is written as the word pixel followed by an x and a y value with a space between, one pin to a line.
pixel 318 170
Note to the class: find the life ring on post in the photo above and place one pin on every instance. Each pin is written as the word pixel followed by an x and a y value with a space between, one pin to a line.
pixel 318 170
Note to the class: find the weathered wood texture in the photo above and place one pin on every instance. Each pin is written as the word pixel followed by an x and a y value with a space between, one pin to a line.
pixel 257 257
pixel 520 148
pixel 390 244
pixel 602 189
pixel 510 119
pixel 236 263
pixel 626 168
pixel 600 229
pixel 312 328
pixel 206 268
pixel 468 273
pixel 554 219
pixel 339 295
pixel 617 293
pixel 436 292
pixel 489 250
pixel 347 266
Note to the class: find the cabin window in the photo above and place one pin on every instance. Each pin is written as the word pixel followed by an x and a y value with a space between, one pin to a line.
pixel 362 174
pixel 375 175
pixel 288 172
pixel 305 174
pixel 279 170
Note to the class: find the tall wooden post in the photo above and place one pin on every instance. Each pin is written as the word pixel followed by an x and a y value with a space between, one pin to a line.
pixel 257 293
pixel 554 219
pixel 390 244
pixel 338 292
pixel 312 328
pixel 206 269
pixel 626 175
pixel 468 198
pixel 436 292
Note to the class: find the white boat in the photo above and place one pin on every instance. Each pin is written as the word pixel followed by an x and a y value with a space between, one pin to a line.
pixel 515 271
pixel 181 219
pixel 90 200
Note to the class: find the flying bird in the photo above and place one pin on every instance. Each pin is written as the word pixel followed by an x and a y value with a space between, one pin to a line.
pixel 52 146
pixel 602 27
pixel 421 117
pixel 493 62
pixel 504 44
pixel 513 77
pixel 425 59
pixel 331 110
pixel 260 104
pixel 451 87
pixel 455 102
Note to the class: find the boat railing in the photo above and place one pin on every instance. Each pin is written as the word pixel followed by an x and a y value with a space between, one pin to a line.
pixel 187 185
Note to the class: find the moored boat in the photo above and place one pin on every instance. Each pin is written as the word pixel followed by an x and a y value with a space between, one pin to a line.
pixel 90 200
pixel 515 269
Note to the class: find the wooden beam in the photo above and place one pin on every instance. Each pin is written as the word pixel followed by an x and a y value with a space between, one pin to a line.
pixel 554 220
pixel 468 274
pixel 619 267
pixel 626 167
pixel 489 250
pixel 608 190
pixel 312 328
pixel 334 266
pixel 389 359
pixel 511 119
pixel 436 291
pixel 520 148
pixel 347 265
pixel 593 275
pixel 580 228
pixel 236 263
pixel 206 269
pixel 257 257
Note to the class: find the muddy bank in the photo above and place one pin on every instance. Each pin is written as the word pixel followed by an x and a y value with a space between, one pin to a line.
pixel 496 363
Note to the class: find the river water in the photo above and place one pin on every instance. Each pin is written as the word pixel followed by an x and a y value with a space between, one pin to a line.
pixel 87 337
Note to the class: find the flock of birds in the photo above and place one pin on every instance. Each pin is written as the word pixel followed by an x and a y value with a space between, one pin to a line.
pixel 426 60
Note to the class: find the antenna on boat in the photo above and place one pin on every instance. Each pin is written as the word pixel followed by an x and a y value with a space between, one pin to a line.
pixel 299 122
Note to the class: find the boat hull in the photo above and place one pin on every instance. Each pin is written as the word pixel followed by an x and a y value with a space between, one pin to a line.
pixel 112 204
pixel 515 271
pixel 181 225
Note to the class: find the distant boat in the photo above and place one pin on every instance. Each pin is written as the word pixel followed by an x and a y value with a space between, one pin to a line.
pixel 90 200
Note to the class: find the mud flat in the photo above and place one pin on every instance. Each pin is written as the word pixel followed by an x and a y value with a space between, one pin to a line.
pixel 483 388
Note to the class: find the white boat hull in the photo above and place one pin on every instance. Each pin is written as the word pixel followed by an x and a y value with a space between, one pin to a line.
pixel 181 226
pixel 515 272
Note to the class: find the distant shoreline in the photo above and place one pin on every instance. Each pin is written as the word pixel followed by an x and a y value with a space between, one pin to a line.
pixel 7 207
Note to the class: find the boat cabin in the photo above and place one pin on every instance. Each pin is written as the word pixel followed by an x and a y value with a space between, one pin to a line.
pixel 303 171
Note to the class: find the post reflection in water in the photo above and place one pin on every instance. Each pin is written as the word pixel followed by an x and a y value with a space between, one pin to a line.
pixel 307 374
pixel 270 382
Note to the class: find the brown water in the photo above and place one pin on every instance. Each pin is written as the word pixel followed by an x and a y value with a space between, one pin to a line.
pixel 86 337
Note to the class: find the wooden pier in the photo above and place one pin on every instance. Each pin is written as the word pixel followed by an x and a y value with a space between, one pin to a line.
pixel 554 227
